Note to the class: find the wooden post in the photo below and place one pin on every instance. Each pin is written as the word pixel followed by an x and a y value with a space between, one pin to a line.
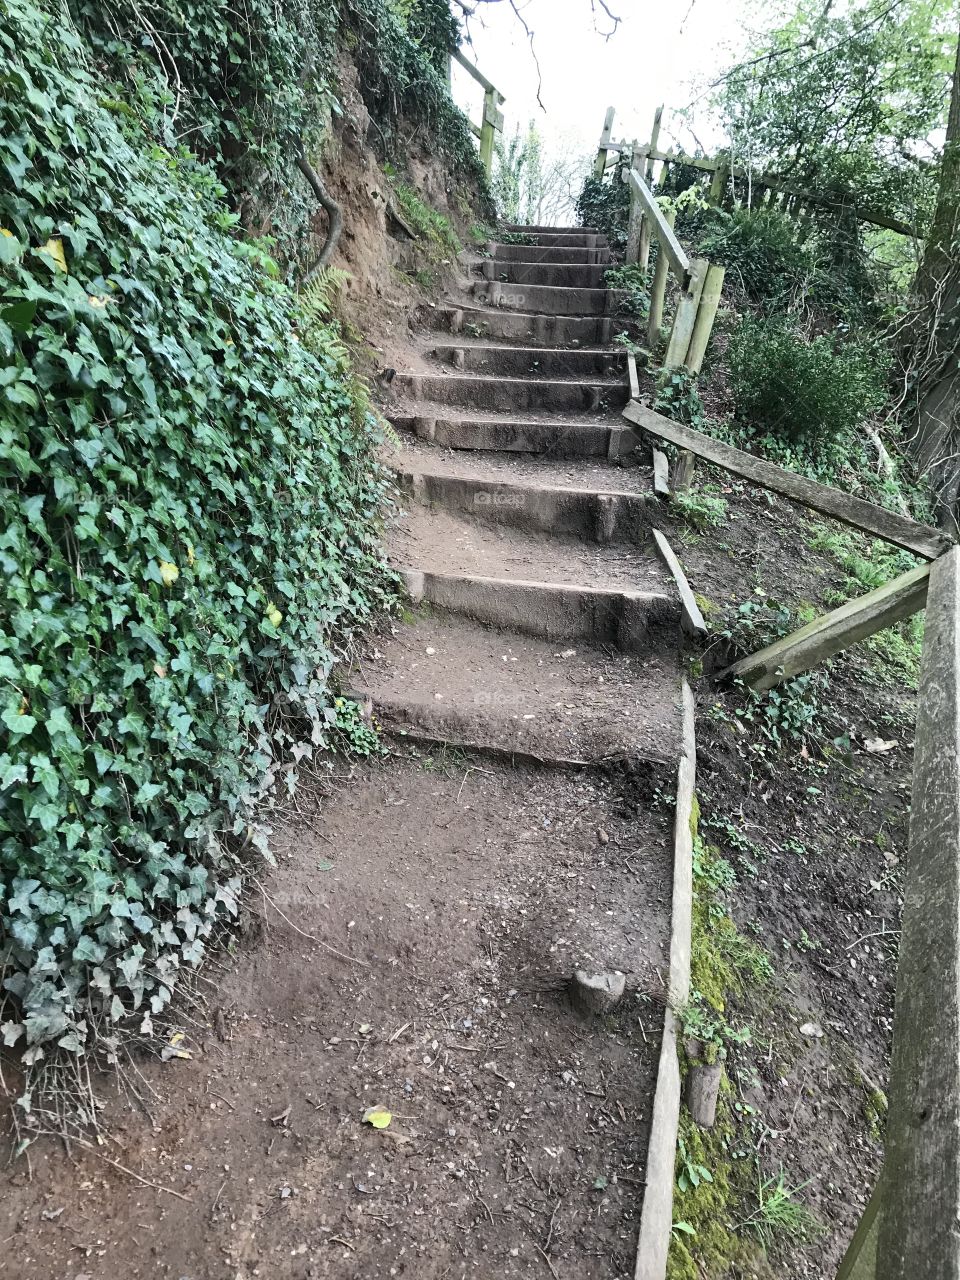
pixel 918 1238
pixel 686 316
pixel 491 127
pixel 658 288
pixel 654 139
pixel 706 314
pixel 718 184
pixel 601 162
pixel 637 226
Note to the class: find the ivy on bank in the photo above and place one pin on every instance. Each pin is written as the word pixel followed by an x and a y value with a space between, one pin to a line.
pixel 188 536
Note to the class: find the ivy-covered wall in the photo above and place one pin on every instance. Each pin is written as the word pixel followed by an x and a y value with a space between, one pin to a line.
pixel 189 501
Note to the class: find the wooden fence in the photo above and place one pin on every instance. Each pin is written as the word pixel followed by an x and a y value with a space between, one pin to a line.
pixel 698 283
pixel 491 126
pixel 911 1227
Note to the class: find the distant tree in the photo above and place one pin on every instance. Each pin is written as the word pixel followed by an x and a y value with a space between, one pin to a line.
pixel 537 182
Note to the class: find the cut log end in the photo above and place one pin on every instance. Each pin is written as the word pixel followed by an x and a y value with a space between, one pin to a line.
pixel 597 993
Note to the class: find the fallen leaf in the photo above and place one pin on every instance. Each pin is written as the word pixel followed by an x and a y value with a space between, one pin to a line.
pixel 877 746
pixel 812 1030
pixel 378 1116
pixel 174 1048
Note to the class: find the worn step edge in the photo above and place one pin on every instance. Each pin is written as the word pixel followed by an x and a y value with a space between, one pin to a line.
pixel 656 1214
pixel 552 299
pixel 632 621
pixel 600 516
pixel 560 440
pixel 503 394
pixel 537 327
pixel 450 727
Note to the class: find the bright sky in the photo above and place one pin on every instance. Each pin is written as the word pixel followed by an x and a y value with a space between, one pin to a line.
pixel 664 51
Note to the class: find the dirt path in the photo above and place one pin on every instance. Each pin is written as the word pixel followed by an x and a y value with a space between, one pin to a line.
pixel 416 944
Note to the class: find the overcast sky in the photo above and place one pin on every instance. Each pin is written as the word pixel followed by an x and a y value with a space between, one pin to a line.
pixel 664 51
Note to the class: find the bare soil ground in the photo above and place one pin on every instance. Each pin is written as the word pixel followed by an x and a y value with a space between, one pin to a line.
pixel 463 894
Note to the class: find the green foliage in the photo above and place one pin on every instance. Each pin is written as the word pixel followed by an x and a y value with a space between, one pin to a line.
pixel 632 279
pixel 239 92
pixel 351 731
pixel 677 397
pixel 605 205
pixel 778 1214
pixel 802 399
pixel 703 508
pixel 764 252
pixel 896 650
pixel 846 99
pixel 435 227
pixel 189 504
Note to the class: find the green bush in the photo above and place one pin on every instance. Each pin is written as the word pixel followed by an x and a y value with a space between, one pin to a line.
pixel 803 399
pixel 763 251
pixel 189 534
pixel 605 205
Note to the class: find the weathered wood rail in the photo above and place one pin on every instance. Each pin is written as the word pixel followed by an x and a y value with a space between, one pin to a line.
pixel 491 126
pixel 699 283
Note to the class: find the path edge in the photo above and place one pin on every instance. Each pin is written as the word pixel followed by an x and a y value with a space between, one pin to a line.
pixel 656 1216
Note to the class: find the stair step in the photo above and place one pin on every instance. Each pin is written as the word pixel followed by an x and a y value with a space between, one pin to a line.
pixel 549 299
pixel 440 542
pixel 558 275
pixel 598 515
pixel 532 229
pixel 533 362
pixel 558 440
pixel 454 681
pixel 510 326
pixel 475 391
pixel 548 253
pixel 631 621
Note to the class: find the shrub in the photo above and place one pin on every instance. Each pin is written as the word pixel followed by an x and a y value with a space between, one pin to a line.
pixel 605 205
pixel 763 251
pixel 632 280
pixel 189 534
pixel 802 399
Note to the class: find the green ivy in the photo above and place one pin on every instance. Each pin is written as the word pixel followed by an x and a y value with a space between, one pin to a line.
pixel 189 535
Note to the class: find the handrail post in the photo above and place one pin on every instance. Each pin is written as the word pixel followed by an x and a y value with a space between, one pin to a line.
pixel 919 1239
pixel 706 314
pixel 654 139
pixel 635 218
pixel 600 164
pixel 491 128
pixel 658 288
pixel 686 316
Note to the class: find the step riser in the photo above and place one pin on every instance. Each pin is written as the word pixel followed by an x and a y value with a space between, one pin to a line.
pixel 556 275
pixel 472 393
pixel 533 253
pixel 630 621
pixel 539 331
pixel 603 518
pixel 533 363
pixel 549 301
pixel 522 228
pixel 563 240
pixel 521 437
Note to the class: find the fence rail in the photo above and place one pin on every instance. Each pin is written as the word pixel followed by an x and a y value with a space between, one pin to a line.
pixel 491 126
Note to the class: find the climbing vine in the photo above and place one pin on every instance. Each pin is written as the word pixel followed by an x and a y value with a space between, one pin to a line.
pixel 188 536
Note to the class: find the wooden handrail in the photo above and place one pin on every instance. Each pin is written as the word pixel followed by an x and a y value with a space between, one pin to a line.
pixel 921 539
pixel 661 227
pixel 480 78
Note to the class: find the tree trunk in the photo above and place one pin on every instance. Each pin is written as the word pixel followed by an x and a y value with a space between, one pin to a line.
pixel 934 336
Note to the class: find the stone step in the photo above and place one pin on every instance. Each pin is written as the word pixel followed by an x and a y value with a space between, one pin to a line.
pixel 558 440
pixel 531 229
pixel 550 253
pixel 561 239
pixel 631 621
pixel 548 299
pixel 517 394
pixel 533 362
pixel 441 542
pixel 604 516
pixel 542 330
pixel 556 274
pixel 450 680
